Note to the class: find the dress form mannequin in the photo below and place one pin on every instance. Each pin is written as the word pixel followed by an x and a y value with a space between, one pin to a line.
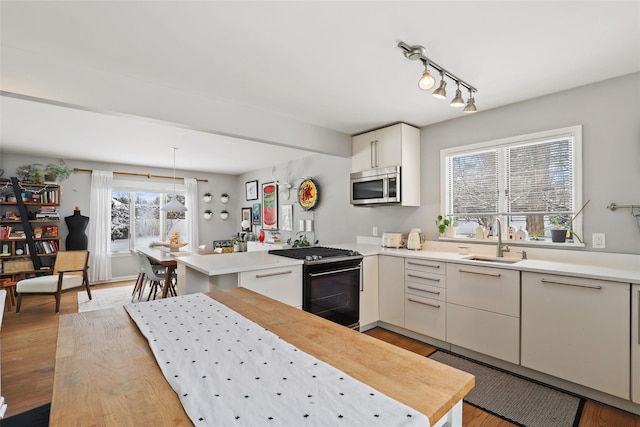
pixel 77 224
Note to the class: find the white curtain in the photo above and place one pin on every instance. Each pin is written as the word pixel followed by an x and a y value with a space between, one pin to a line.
pixel 191 203
pixel 100 226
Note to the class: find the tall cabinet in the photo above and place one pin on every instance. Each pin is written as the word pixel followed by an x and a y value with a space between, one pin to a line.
pixel 635 343
pixel 29 238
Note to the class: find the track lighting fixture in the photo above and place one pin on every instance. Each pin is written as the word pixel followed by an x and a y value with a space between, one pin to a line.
pixel 427 81
pixel 457 100
pixel 441 92
pixel 471 104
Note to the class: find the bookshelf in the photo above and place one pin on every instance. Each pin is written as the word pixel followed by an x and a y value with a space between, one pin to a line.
pixel 29 232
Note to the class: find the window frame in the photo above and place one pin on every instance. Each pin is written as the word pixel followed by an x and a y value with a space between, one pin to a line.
pixel 132 187
pixel 574 131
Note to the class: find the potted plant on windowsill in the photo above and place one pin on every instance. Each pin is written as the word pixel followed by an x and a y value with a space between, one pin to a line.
pixel 446 226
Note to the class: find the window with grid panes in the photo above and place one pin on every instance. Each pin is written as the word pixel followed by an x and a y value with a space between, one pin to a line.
pixel 524 181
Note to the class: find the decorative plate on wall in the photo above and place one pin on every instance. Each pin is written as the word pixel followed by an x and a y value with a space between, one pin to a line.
pixel 308 194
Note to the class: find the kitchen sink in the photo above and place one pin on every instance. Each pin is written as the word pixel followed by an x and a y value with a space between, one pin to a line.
pixel 492 259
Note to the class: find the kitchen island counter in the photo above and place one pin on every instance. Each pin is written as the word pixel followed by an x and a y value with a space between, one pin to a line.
pixel 106 344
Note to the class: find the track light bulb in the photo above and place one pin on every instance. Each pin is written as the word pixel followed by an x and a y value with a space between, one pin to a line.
pixel 457 100
pixel 426 81
pixel 441 93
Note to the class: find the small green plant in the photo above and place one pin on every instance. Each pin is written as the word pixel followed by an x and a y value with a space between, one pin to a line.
pixel 207 194
pixel 444 222
pixel 236 240
pixel 556 226
pixel 208 211
pixel 301 241
pixel 60 171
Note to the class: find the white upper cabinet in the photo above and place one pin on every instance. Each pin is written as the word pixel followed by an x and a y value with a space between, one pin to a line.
pixel 390 146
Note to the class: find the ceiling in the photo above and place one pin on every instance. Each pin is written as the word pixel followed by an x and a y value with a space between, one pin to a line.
pixel 333 65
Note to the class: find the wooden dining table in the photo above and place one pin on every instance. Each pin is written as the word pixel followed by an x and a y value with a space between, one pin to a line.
pixel 132 391
pixel 163 256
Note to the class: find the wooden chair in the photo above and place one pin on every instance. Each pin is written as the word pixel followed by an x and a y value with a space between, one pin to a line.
pixel 69 271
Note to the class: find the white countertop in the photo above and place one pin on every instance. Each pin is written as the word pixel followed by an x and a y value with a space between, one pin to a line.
pixel 614 267
pixel 236 262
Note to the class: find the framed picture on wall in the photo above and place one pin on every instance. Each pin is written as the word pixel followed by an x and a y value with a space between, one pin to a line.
pixel 270 206
pixel 251 190
pixel 255 214
pixel 246 216
pixel 286 218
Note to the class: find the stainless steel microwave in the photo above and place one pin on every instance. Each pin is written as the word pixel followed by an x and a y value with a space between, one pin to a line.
pixel 376 186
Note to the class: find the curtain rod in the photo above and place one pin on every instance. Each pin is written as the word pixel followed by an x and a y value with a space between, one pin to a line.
pixel 147 175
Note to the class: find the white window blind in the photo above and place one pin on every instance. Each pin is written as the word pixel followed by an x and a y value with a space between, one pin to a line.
pixel 523 180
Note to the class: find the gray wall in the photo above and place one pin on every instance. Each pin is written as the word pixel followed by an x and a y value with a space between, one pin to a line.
pixel 608 111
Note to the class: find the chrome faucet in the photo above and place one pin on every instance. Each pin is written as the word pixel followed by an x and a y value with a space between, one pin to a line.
pixel 501 248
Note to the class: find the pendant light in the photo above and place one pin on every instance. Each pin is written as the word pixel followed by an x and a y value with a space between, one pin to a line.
pixel 174 205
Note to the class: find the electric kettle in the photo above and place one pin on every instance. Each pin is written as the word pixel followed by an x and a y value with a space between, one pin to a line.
pixel 415 239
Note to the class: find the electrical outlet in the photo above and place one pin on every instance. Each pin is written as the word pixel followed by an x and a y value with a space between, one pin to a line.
pixel 375 231
pixel 598 241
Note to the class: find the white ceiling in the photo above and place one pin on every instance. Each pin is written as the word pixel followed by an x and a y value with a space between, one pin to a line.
pixel 331 64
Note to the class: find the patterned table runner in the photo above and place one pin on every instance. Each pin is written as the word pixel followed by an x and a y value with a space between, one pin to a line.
pixel 228 370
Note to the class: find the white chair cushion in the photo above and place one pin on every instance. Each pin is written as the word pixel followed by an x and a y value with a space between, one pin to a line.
pixel 48 283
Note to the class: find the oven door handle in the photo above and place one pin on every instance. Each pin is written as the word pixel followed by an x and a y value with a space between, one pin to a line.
pixel 342 270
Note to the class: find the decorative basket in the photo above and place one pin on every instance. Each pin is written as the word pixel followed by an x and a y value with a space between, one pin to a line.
pixel 17 266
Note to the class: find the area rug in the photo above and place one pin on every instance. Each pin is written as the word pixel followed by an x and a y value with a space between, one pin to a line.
pixel 516 399
pixel 104 298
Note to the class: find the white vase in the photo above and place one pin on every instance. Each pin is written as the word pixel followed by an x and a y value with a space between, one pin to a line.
pixel 450 232
pixel 224 199
pixel 224 215
pixel 207 216
pixel 207 199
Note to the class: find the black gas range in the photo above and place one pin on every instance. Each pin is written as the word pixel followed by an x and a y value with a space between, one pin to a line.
pixel 330 282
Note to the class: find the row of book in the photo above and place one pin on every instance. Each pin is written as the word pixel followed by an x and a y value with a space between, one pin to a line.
pixel 43 247
pixel 47 212
pixel 7 232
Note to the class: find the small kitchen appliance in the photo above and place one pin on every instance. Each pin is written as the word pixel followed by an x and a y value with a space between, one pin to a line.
pixel 415 239
pixel 394 240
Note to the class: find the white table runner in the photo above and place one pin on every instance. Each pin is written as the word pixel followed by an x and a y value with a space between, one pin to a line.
pixel 228 370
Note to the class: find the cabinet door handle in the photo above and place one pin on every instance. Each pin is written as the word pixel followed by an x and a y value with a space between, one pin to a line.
pixel 577 285
pixel 423 265
pixel 478 272
pixel 423 290
pixel 277 273
pixel 638 316
pixel 424 303
pixel 342 270
pixel 373 149
pixel 422 277
pixel 361 280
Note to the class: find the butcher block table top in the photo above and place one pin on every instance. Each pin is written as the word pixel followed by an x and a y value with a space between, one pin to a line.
pixel 105 373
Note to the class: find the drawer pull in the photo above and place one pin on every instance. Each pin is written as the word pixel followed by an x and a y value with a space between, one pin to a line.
pixel 478 272
pixel 577 285
pixel 422 277
pixel 423 290
pixel 277 273
pixel 424 303
pixel 423 265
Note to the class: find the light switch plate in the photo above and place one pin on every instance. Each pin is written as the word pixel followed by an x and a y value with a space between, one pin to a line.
pixel 598 241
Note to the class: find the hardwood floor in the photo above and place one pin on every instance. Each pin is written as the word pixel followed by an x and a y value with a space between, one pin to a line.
pixel 28 344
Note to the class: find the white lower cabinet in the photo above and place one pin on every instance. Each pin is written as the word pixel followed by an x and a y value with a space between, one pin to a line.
pixel 483 310
pixel 635 343
pixel 425 295
pixel 369 291
pixel 578 329
pixel 391 289
pixel 283 283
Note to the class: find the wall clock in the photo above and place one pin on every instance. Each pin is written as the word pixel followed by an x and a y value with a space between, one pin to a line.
pixel 308 194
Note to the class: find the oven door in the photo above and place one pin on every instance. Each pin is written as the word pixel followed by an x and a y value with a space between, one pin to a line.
pixel 332 290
